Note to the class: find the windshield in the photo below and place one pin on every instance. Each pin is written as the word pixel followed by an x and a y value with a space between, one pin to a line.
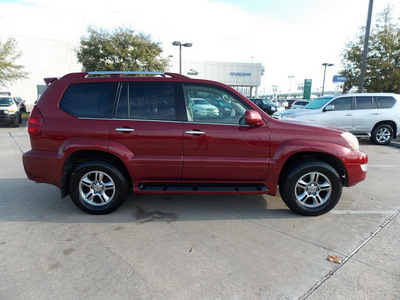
pixel 269 102
pixel 318 103
pixel 6 101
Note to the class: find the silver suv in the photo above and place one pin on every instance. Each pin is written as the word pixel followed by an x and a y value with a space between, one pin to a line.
pixel 373 115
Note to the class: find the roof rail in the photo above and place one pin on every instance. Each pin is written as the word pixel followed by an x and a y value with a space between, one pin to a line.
pixel 124 73
pixel 118 73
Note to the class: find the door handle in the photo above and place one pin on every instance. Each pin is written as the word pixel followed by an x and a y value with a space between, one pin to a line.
pixel 348 115
pixel 125 129
pixel 376 114
pixel 195 132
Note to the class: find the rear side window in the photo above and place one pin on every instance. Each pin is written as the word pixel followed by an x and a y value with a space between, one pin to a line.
pixel 89 100
pixel 384 102
pixel 147 102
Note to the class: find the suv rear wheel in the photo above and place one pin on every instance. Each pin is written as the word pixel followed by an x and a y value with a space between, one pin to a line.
pixel 382 134
pixel 98 187
pixel 311 188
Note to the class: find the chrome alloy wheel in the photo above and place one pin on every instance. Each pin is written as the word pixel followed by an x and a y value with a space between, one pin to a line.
pixel 383 135
pixel 313 189
pixel 96 188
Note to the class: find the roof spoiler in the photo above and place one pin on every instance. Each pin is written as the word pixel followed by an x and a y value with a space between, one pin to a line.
pixel 49 80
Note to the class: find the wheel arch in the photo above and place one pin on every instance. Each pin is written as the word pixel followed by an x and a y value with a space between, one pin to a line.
pixel 80 156
pixel 331 160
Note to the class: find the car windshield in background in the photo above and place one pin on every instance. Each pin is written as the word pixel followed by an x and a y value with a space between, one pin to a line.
pixel 269 102
pixel 200 102
pixel 6 101
pixel 318 103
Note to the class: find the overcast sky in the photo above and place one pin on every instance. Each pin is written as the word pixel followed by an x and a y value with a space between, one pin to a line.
pixel 288 37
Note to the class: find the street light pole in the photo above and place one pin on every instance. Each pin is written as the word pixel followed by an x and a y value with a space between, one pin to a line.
pixel 365 51
pixel 290 87
pixel 323 83
pixel 177 43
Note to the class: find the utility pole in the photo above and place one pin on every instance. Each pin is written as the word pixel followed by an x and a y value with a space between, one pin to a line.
pixel 365 51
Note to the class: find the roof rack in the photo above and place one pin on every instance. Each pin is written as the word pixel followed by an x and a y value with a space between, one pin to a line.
pixel 124 73
pixel 116 74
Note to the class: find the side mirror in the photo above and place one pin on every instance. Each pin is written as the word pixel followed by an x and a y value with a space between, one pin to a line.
pixel 253 118
pixel 329 107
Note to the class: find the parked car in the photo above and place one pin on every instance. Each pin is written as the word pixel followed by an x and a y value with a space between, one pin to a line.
pixel 299 104
pixel 267 105
pixel 97 136
pixel 283 102
pixel 21 103
pixel 202 107
pixel 373 115
pixel 9 111
pixel 316 104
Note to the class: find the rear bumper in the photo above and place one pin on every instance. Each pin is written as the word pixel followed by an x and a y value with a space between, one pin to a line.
pixel 43 166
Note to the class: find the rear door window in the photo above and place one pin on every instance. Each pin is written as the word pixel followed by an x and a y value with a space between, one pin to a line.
pixel 89 100
pixel 364 102
pixel 148 102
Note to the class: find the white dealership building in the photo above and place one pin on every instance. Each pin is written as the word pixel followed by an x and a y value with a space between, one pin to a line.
pixel 50 58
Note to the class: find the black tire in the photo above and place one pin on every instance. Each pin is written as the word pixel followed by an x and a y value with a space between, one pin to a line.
pixel 312 188
pixel 20 118
pixel 15 122
pixel 98 187
pixel 382 134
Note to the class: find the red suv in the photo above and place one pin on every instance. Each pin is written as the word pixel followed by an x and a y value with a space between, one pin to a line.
pixel 97 135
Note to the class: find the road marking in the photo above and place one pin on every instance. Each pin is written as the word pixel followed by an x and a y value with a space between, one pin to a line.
pixel 363 212
pixel 384 166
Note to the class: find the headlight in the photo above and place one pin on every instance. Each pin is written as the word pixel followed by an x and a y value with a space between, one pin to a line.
pixel 6 112
pixel 273 108
pixel 352 140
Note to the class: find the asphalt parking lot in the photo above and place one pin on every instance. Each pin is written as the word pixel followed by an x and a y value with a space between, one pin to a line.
pixel 198 247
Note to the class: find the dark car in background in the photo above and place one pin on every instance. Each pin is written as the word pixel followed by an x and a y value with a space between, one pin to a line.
pixel 267 105
pixel 20 103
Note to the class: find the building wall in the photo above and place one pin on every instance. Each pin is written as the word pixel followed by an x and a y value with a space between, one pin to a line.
pixel 230 73
pixel 42 58
pixel 50 58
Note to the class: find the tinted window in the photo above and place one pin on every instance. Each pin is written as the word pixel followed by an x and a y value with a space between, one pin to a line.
pixel 216 106
pixel 148 102
pixel 342 103
pixel 364 103
pixel 90 100
pixel 384 102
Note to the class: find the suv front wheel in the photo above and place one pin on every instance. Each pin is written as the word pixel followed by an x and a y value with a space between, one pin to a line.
pixel 312 188
pixel 98 187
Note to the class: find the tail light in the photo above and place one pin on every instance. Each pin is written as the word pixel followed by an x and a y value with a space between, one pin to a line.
pixel 35 121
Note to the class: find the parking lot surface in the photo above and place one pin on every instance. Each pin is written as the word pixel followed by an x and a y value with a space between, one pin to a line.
pixel 196 246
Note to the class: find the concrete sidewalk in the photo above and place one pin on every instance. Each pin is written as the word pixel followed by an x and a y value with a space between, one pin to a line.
pixel 198 247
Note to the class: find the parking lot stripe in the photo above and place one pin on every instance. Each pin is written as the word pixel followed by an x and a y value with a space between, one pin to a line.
pixel 363 212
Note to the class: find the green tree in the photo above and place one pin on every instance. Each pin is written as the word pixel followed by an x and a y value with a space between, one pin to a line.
pixel 121 50
pixel 9 70
pixel 382 72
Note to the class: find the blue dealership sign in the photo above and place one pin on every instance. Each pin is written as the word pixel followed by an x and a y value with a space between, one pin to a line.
pixel 339 78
